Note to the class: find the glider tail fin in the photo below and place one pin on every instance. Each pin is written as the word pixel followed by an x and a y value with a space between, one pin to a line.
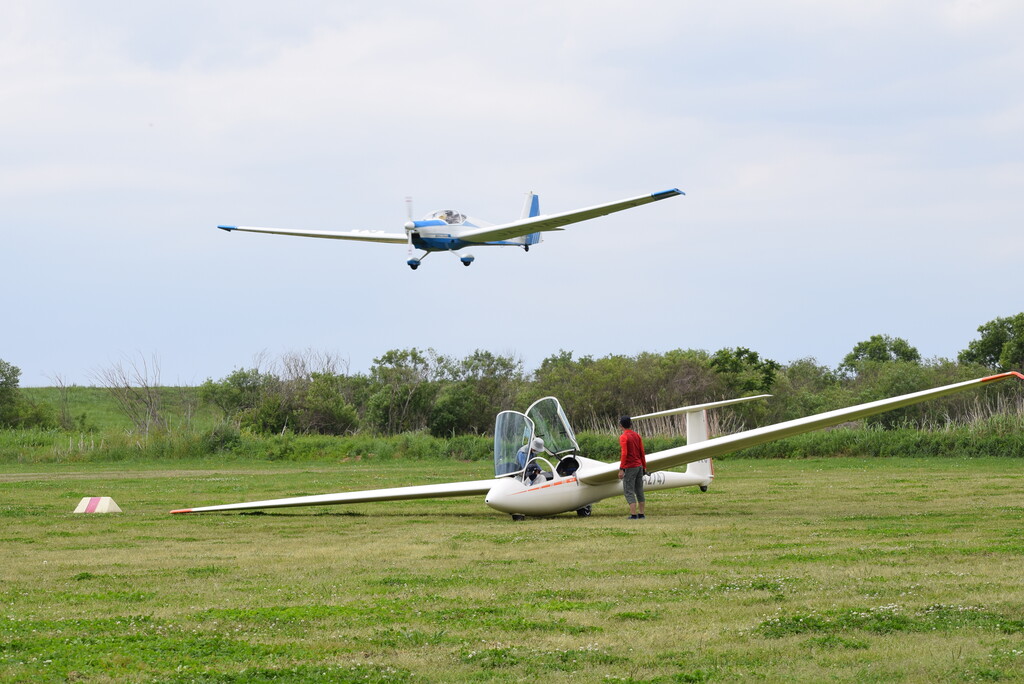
pixel 531 208
pixel 705 470
pixel 697 431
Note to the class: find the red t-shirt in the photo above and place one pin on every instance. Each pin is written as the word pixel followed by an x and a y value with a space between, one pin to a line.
pixel 632 450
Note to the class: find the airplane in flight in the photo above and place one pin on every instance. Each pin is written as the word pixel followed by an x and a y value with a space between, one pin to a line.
pixel 539 471
pixel 452 231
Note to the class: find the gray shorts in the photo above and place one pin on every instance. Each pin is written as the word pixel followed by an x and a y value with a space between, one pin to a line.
pixel 633 484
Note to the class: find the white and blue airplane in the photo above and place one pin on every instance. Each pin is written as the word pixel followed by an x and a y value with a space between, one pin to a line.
pixel 452 231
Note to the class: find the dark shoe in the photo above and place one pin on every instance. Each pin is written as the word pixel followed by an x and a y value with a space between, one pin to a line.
pixel 641 516
pixel 632 517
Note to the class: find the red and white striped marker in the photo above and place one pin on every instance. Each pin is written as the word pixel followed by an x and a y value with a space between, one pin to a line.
pixel 97 504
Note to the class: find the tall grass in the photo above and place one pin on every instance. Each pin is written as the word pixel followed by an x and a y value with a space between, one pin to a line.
pixel 994 435
pixel 227 442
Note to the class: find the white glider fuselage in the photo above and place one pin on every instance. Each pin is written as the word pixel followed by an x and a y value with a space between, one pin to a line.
pixel 567 493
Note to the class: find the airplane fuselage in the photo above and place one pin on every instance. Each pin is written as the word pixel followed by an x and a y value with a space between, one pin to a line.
pixel 563 494
pixel 438 242
pixel 434 235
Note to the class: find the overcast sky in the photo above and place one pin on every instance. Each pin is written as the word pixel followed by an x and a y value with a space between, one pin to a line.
pixel 850 169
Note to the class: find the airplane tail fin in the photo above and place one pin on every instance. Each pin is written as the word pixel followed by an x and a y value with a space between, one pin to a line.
pixel 705 470
pixel 531 208
pixel 697 431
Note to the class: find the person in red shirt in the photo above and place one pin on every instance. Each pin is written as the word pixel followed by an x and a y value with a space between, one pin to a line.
pixel 632 468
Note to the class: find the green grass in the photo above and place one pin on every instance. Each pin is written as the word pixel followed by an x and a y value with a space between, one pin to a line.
pixel 841 569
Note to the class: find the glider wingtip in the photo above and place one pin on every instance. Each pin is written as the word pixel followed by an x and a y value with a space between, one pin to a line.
pixel 664 194
pixel 182 510
pixel 228 228
pixel 1002 376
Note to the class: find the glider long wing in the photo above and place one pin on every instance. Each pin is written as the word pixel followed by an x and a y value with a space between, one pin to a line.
pixel 549 222
pixel 433 491
pixel 742 440
pixel 360 235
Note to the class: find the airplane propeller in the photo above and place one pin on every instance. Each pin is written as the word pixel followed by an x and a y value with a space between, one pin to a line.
pixel 410 226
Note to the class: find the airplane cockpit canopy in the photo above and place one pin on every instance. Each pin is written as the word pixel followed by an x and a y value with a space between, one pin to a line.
pixel 551 424
pixel 542 431
pixel 449 216
pixel 513 434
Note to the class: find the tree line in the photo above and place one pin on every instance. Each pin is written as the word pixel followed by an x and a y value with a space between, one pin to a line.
pixel 408 390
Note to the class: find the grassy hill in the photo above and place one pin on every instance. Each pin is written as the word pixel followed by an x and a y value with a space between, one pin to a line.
pixel 94 409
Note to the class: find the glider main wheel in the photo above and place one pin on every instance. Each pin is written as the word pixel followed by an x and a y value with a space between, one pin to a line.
pixel 583 512
pixel 703 488
pixel 518 517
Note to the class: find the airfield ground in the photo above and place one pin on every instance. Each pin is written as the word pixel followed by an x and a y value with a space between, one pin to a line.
pixel 848 570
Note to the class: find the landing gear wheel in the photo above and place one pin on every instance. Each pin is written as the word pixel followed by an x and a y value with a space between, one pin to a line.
pixel 703 488
pixel 583 512
pixel 414 266
pixel 518 517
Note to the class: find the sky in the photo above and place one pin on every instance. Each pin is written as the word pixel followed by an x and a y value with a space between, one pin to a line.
pixel 850 169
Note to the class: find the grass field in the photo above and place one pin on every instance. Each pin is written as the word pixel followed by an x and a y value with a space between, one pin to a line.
pixel 847 570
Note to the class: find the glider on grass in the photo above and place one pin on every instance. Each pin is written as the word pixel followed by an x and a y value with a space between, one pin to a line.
pixel 539 471
pixel 452 231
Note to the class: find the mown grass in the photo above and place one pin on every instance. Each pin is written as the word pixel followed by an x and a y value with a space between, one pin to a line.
pixel 836 569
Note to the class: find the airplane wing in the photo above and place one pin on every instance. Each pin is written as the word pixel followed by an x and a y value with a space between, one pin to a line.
pixel 548 222
pixel 361 235
pixel 741 440
pixel 433 491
